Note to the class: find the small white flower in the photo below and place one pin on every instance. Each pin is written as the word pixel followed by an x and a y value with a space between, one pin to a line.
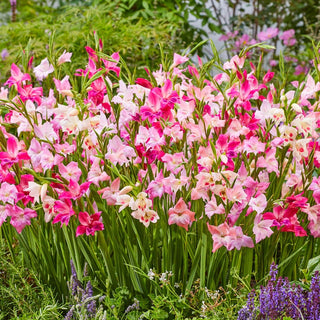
pixel 151 274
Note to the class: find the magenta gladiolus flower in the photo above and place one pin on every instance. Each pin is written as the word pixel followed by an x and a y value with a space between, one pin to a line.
pixel 89 223
pixel 64 211
pixel 13 154
pixel 17 77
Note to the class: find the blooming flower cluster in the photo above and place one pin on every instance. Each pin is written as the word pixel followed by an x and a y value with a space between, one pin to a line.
pixel 281 298
pixel 229 150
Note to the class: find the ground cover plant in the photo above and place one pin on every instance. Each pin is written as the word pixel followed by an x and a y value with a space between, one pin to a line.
pixel 22 294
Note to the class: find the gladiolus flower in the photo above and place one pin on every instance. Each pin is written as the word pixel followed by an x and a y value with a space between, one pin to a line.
pixel 43 69
pixel 89 223
pixel 181 215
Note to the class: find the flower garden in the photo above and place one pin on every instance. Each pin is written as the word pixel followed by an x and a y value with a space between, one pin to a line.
pixel 184 189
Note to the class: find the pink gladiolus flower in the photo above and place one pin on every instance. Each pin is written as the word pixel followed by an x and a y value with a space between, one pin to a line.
pixel 268 34
pixel 144 83
pixel 259 203
pixel 92 54
pixel 228 35
pixel 28 92
pixel 17 77
pixel 181 215
pixel 236 194
pixel 261 228
pixel 243 41
pixel 12 155
pixel 20 217
pixel 48 208
pixel 64 211
pixel 43 69
pixel 158 187
pixel 89 223
pixel 75 190
pixel 234 63
pixel 253 145
pixel 286 220
pixel 65 57
pixel 3 214
pixel 63 86
pixel 118 152
pixel 8 193
pixel 177 59
pixel 268 77
pixel 229 237
pixel 212 208
pixel 111 193
pixel 112 65
pixel 34 152
pixel 71 170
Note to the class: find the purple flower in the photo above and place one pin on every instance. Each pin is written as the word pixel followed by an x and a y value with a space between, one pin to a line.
pixel 4 54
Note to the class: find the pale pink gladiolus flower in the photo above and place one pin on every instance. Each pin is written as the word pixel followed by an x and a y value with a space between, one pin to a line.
pixel 234 63
pixel 212 208
pixel 111 193
pixel 48 208
pixel 261 228
pixel 43 69
pixel 259 203
pixel 142 209
pixel 63 86
pixel 123 200
pixel 71 170
pixel 229 237
pixel 181 215
pixel 146 216
pixel 118 152
pixel 158 187
pixel 8 193
pixel 95 174
pixel 3 214
pixel 65 57
pixel 142 203
pixel 299 148
pixel 236 194
pixel 253 145
pixel 46 159
pixel 36 190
